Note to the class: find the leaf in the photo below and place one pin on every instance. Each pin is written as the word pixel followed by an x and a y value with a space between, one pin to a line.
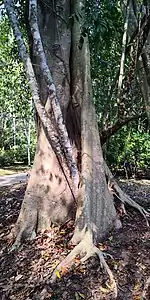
pixel 103 247
pixel 138 297
pixel 81 295
pixel 81 270
pixel 64 270
pixel 55 264
pixel 77 296
pixel 62 232
pixel 104 290
pixel 58 274
pixel 77 260
pixel 18 277
pixel 46 256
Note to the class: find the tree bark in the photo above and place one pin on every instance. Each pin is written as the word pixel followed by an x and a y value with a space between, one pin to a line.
pixel 50 195
pixel 95 207
pixel 122 61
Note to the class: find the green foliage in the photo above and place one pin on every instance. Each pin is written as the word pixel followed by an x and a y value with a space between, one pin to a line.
pixel 137 148
pixel 17 154
pixel 14 93
pixel 16 112
pixel 7 157
pixel 131 145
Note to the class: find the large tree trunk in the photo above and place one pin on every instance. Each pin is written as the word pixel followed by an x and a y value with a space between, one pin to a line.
pixel 49 195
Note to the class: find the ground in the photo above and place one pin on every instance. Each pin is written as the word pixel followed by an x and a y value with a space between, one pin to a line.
pixel 25 274
pixel 14 170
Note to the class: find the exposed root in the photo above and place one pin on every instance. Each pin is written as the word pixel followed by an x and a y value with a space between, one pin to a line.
pixel 125 199
pixel 67 262
pixel 103 262
pixel 146 290
pixel 88 250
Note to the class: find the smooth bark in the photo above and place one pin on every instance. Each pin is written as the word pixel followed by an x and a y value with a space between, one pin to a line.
pixel 122 61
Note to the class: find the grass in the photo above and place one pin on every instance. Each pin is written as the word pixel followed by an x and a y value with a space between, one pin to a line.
pixel 13 169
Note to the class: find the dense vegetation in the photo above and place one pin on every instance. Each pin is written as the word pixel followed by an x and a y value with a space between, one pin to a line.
pixel 17 127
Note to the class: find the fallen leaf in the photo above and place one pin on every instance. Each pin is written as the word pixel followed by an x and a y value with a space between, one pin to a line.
pixel 77 260
pixel 81 295
pixel 18 277
pixel 77 296
pixel 103 247
pixel 81 270
pixel 64 270
pixel 62 232
pixel 104 290
pixel 46 256
pixel 58 274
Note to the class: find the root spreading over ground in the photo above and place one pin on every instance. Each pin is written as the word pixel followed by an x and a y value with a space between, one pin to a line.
pixel 29 272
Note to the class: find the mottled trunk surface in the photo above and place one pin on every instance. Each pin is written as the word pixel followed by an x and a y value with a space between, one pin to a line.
pixel 48 196
pixel 96 210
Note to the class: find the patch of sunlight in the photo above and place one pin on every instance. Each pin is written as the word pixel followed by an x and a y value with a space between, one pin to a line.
pixel 13 170
pixel 137 181
pixel 4 172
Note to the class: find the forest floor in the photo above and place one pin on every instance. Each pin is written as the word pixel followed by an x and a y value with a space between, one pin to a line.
pixel 25 274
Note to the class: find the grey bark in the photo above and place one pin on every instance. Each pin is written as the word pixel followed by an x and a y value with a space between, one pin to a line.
pixel 49 194
pixel 122 61
pixel 49 197
pixel 95 211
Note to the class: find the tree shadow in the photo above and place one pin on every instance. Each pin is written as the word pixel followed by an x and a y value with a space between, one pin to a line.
pixel 25 274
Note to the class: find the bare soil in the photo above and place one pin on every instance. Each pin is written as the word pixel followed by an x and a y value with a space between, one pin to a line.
pixel 25 274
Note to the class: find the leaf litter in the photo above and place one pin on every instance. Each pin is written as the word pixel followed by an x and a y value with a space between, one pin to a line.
pixel 25 274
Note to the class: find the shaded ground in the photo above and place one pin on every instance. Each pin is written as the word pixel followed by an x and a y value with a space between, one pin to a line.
pixel 25 274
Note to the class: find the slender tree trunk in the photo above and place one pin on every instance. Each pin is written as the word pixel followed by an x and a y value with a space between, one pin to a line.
pixel 122 62
pixel 28 144
pixel 14 130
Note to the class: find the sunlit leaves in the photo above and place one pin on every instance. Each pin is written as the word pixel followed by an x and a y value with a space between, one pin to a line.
pixel 14 94
pixel 15 100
